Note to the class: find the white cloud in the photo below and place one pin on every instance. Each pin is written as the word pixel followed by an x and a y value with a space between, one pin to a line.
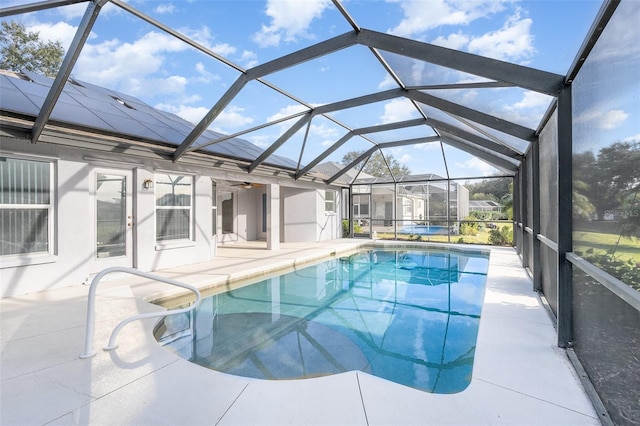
pixel 429 146
pixel 191 114
pixel 527 111
pixel 165 8
pixel 204 37
pixel 406 158
pixel 398 110
pixel 205 76
pixel 621 44
pixel 60 31
pixel 612 119
pixel 286 111
pixel 223 49
pixel 387 83
pixel 248 59
pixel 420 16
pixel 73 11
pixel 513 41
pixel 231 118
pixel 290 20
pixel 111 61
pixel 607 120
pixel 476 166
pixel 456 41
pixel 263 141
pixel 324 135
pixel 532 100
pixel 635 138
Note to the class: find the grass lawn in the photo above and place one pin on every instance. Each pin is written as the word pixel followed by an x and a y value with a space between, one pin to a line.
pixel 627 248
pixel 482 237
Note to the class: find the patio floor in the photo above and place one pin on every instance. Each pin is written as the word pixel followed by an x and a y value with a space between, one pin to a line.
pixel 520 376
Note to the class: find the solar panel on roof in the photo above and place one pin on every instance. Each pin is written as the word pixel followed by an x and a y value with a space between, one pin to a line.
pixel 278 160
pixel 15 101
pixel 38 78
pixel 78 115
pixel 28 87
pixel 145 117
pixel 127 126
pixel 98 105
pixel 170 135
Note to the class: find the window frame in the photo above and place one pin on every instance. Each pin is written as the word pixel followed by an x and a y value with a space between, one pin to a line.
pixel 214 208
pixel 330 202
pixel 17 259
pixel 189 208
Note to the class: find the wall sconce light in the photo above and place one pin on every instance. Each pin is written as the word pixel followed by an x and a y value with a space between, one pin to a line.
pixel 147 184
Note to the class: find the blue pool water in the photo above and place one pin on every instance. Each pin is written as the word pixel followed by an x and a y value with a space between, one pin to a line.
pixel 407 316
pixel 423 230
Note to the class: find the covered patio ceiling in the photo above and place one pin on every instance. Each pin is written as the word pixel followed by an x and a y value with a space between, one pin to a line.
pixel 440 119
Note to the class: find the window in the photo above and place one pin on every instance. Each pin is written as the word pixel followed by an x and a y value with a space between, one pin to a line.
pixel 173 207
pixel 214 208
pixel 329 201
pixel 264 212
pixel 227 212
pixel 25 206
pixel 360 206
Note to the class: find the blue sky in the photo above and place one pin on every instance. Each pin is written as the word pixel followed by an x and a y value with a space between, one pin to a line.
pixel 128 55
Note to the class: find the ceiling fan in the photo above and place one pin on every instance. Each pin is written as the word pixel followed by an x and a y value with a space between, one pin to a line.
pixel 248 185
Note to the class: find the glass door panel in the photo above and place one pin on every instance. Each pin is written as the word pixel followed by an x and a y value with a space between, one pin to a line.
pixel 112 211
pixel 111 215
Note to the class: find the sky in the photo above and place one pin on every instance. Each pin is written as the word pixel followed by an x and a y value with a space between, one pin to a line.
pixel 128 55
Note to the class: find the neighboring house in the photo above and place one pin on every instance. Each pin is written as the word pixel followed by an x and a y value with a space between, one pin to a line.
pixel 419 199
pixel 100 189
pixel 415 199
pixel 485 206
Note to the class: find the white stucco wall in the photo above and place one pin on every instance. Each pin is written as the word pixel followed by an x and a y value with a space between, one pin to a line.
pixel 152 255
pixel 68 264
pixel 305 219
pixel 73 259
pixel 299 214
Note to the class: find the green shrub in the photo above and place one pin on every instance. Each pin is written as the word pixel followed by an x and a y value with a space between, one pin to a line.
pixel 626 271
pixel 345 228
pixel 468 228
pixel 501 236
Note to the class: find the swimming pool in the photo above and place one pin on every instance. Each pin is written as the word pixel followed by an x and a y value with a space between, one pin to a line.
pixel 423 230
pixel 410 316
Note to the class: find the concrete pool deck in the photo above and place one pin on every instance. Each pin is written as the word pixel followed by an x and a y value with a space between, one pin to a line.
pixel 519 377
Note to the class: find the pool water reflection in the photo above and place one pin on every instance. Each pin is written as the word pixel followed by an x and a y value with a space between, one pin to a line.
pixel 407 316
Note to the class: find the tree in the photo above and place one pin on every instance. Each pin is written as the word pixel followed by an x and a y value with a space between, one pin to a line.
pixel 376 166
pixel 482 196
pixel 610 178
pixel 23 50
pixel 497 188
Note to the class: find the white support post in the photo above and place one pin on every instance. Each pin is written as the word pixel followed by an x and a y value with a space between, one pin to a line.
pixel 273 217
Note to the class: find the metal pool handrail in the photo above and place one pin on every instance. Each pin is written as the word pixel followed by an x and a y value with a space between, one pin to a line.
pixel 91 303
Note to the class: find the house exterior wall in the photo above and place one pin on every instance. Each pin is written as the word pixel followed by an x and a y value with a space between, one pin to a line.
pixel 299 214
pixel 73 258
pixel 463 202
pixel 329 224
pixel 305 219
pixel 151 255
pixel 68 264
